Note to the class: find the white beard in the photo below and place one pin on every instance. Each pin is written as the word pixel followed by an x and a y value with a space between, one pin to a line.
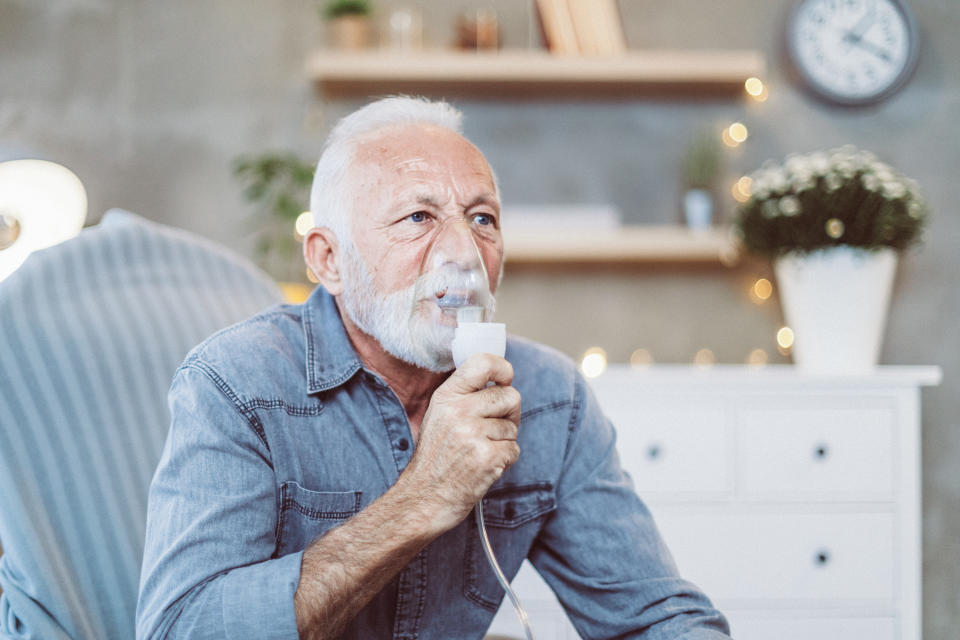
pixel 402 325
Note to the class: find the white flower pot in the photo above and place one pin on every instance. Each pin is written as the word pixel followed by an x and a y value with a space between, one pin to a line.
pixel 698 208
pixel 836 302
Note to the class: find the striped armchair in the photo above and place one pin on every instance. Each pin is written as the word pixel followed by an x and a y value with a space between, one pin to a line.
pixel 91 332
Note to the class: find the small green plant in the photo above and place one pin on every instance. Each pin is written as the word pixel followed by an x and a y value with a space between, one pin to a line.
pixel 278 183
pixel 339 8
pixel 827 198
pixel 701 162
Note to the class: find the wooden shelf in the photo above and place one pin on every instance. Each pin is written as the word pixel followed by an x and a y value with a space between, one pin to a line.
pixel 525 71
pixel 632 244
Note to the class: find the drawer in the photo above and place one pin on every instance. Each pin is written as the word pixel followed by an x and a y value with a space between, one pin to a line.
pixel 748 626
pixel 800 557
pixel 810 452
pixel 671 451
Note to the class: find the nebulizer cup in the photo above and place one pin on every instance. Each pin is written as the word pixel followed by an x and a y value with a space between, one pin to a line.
pixel 455 287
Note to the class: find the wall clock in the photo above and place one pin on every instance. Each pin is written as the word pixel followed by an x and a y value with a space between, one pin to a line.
pixel 852 52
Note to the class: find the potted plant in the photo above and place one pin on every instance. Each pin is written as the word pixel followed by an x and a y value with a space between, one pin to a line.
pixel 833 222
pixel 278 183
pixel 701 164
pixel 349 22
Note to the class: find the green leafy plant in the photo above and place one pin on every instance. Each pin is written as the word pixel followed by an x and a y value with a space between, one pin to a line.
pixel 701 161
pixel 339 8
pixel 827 198
pixel 278 183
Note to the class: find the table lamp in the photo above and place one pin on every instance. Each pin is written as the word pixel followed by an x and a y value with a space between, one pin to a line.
pixel 41 204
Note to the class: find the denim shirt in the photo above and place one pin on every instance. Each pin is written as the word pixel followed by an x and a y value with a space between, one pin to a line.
pixel 279 434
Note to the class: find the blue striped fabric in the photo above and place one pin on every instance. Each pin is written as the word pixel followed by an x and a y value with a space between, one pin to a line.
pixel 91 332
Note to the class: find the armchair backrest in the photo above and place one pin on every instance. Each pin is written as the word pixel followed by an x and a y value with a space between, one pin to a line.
pixel 91 332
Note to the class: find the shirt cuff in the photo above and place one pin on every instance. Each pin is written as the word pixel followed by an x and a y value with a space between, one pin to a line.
pixel 258 599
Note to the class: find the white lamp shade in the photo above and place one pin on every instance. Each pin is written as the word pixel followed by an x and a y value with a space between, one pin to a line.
pixel 47 200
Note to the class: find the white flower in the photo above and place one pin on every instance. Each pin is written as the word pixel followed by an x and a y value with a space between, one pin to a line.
pixel 797 164
pixel 833 181
pixel 802 183
pixel 915 210
pixel 845 168
pixel 892 190
pixel 870 182
pixel 789 205
pixel 820 163
pixel 770 209
pixel 777 180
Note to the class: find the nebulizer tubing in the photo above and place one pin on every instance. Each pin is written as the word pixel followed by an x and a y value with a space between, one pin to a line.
pixel 454 278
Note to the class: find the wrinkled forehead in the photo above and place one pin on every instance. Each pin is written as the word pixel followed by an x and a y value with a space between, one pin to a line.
pixel 409 150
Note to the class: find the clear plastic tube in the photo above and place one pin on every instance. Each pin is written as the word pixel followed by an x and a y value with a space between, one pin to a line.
pixel 492 559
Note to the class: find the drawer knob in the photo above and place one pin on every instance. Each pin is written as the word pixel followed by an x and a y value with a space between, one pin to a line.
pixel 654 451
pixel 822 558
pixel 821 451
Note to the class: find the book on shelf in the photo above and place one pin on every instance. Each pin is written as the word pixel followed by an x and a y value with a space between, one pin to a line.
pixel 586 27
pixel 557 25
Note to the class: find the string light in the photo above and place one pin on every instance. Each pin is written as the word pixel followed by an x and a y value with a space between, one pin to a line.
pixel 741 189
pixel 734 134
pixel 757 358
pixel 761 291
pixel 704 358
pixel 641 358
pixel 594 362
pixel 756 89
pixel 785 338
pixel 834 228
pixel 303 224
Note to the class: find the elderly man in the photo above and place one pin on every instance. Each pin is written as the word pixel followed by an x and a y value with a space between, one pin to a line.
pixel 322 459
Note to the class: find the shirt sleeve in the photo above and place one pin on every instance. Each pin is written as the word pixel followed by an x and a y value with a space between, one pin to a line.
pixel 208 566
pixel 601 552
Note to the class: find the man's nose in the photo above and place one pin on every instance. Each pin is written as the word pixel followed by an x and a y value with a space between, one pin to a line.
pixel 457 244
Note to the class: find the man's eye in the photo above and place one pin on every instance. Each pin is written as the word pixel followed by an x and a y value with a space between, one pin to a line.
pixel 419 216
pixel 483 219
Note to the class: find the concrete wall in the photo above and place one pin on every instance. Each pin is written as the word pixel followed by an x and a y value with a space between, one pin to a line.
pixel 150 101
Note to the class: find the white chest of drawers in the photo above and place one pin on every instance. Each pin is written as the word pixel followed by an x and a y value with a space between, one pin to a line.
pixel 792 500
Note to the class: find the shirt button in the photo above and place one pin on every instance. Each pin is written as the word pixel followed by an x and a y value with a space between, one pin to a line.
pixel 403 445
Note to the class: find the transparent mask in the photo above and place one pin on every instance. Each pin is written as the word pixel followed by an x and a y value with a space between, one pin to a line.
pixel 453 278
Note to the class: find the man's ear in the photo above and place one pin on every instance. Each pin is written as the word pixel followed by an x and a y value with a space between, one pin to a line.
pixel 322 254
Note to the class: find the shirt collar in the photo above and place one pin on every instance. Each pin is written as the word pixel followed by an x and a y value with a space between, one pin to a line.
pixel 331 359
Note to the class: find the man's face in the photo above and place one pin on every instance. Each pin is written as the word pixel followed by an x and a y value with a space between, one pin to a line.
pixel 411 184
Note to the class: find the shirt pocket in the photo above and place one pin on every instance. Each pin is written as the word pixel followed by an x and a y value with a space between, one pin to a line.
pixel 512 514
pixel 307 514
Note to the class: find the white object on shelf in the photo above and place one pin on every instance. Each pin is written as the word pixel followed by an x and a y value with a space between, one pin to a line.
pixel 548 217
pixel 698 209
pixel 792 499
pixel 638 243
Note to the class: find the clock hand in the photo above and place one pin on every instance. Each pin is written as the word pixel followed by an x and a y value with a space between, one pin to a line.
pixel 881 53
pixel 863 25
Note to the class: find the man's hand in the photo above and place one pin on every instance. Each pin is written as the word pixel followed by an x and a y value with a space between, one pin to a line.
pixel 468 438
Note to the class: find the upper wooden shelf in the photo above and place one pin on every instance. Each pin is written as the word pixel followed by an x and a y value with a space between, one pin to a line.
pixel 631 244
pixel 525 71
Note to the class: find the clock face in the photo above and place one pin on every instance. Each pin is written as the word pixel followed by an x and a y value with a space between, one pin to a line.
pixel 852 51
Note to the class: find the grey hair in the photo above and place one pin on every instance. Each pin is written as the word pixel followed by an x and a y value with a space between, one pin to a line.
pixel 329 199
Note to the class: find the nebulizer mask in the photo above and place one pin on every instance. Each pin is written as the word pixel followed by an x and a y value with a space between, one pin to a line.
pixel 452 294
pixel 453 289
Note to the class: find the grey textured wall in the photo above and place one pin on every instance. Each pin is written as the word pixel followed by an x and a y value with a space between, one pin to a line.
pixel 150 101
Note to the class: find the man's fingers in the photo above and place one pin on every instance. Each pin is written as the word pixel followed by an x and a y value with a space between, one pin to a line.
pixel 499 402
pixel 501 429
pixel 479 370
